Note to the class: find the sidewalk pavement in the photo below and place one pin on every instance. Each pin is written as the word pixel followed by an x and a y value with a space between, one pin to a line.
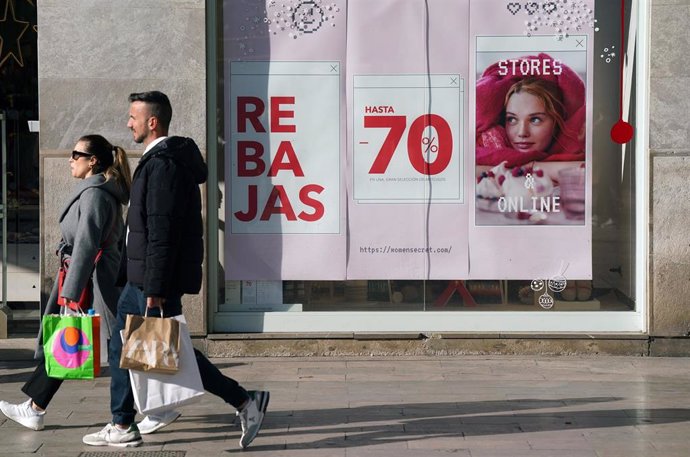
pixel 470 406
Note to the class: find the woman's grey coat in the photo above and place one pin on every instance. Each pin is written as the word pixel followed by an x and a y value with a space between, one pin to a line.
pixel 92 220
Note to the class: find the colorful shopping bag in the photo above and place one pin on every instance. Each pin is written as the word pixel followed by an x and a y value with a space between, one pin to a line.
pixel 71 344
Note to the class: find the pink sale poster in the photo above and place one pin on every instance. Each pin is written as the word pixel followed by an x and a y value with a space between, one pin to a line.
pixel 399 139
pixel 532 139
pixel 407 66
pixel 285 140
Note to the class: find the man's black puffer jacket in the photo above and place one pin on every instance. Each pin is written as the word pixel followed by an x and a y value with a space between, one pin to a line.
pixel 165 246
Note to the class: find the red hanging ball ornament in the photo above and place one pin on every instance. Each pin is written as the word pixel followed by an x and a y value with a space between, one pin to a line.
pixel 622 132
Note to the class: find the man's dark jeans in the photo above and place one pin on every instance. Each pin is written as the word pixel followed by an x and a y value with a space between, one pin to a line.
pixel 133 301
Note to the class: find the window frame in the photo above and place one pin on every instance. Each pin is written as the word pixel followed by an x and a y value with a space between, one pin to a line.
pixel 609 322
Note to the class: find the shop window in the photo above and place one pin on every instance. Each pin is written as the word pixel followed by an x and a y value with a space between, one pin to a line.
pixel 385 158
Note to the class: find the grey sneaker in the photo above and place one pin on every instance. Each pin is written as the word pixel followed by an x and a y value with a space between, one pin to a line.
pixel 252 416
pixel 113 436
pixel 23 414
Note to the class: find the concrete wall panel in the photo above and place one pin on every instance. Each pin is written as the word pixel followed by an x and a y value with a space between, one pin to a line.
pixel 669 141
pixel 92 55
pixel 670 257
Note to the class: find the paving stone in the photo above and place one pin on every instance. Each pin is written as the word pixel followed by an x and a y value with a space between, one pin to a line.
pixel 403 407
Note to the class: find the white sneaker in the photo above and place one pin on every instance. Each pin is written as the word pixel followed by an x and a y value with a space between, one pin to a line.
pixel 113 436
pixel 23 414
pixel 151 423
pixel 252 416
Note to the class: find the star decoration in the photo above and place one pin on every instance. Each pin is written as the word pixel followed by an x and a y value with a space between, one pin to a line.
pixel 11 32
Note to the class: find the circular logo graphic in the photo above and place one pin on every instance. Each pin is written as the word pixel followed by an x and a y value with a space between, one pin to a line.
pixel 557 283
pixel 537 285
pixel 308 16
pixel 71 347
pixel 546 301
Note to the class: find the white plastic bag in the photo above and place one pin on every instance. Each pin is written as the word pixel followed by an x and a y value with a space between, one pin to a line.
pixel 157 392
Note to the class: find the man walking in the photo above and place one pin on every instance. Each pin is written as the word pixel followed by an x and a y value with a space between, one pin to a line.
pixel 164 256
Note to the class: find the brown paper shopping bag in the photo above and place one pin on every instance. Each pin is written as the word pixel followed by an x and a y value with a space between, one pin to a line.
pixel 151 344
pixel 156 393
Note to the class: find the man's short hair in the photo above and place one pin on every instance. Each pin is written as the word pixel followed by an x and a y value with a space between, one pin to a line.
pixel 158 103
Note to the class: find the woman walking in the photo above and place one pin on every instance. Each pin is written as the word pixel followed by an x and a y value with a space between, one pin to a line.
pixel 91 222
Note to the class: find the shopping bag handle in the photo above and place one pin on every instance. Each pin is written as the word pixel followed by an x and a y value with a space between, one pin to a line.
pixel 146 312
pixel 79 311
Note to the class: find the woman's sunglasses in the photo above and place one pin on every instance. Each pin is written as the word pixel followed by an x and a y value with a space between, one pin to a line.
pixel 77 154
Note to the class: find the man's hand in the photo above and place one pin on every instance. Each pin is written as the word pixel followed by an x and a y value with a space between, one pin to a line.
pixel 155 302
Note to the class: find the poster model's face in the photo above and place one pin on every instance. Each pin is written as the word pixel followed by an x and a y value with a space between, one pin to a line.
pixel 529 127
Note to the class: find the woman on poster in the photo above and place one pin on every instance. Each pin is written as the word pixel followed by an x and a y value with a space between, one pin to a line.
pixel 530 109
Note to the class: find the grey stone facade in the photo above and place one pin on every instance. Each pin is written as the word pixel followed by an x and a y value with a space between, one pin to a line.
pixel 93 53
pixel 669 148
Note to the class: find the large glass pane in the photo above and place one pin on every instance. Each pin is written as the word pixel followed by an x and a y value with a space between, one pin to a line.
pixel 19 105
pixel 248 34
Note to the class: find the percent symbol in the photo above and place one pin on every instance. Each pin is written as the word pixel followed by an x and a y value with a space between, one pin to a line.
pixel 429 143
pixel 417 143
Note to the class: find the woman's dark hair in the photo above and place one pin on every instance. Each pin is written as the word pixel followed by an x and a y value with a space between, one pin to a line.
pixel 110 160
